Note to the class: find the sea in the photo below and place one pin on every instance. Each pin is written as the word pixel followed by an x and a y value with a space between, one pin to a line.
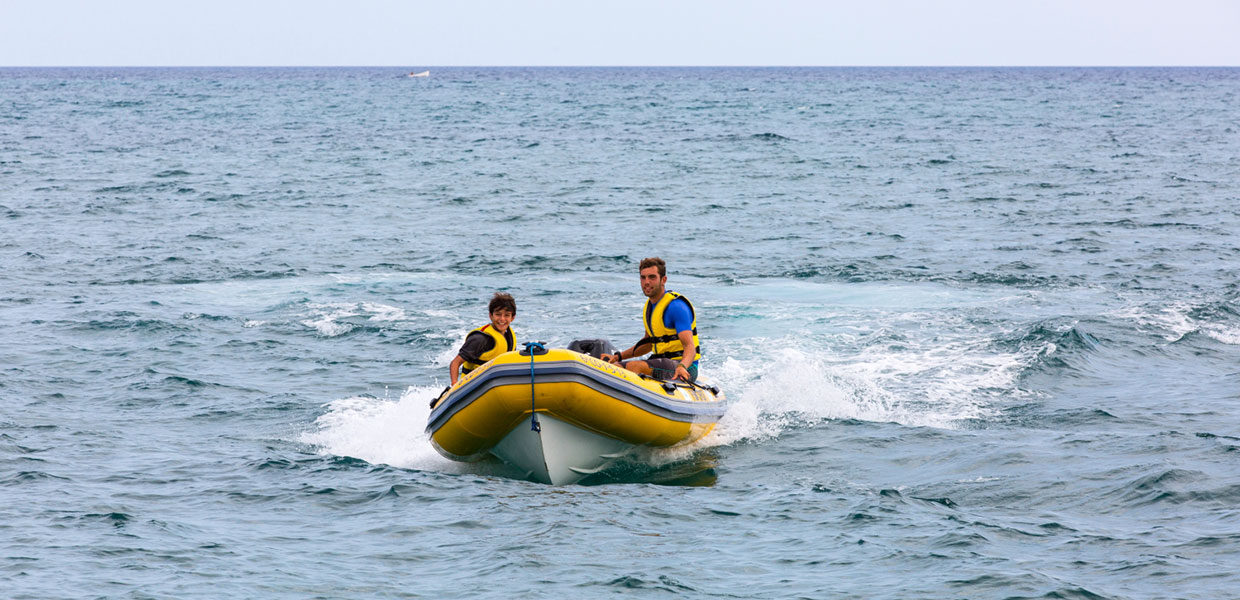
pixel 978 329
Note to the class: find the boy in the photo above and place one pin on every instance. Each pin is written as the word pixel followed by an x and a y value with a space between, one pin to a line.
pixel 489 341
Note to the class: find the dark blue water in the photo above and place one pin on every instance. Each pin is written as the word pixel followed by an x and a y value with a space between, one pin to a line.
pixel 979 328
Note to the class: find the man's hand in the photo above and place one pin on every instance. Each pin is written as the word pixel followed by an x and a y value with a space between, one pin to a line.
pixel 681 369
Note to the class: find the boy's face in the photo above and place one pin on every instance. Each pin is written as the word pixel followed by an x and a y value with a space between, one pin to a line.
pixel 501 318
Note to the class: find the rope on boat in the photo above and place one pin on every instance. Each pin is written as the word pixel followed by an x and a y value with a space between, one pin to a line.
pixel 530 349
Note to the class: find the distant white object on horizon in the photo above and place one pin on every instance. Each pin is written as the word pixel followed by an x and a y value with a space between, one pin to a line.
pixel 422 74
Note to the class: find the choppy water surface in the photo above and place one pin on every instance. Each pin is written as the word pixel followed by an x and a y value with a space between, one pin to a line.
pixel 979 329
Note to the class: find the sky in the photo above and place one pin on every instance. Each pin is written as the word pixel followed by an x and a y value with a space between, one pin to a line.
pixel 428 33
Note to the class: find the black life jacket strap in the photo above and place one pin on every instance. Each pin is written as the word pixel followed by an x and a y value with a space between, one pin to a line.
pixel 675 355
pixel 662 339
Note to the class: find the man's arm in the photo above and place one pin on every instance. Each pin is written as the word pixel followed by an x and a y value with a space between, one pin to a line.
pixel 681 318
pixel 637 350
pixel 686 361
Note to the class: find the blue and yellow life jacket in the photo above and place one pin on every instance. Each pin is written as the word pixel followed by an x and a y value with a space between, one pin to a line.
pixel 666 343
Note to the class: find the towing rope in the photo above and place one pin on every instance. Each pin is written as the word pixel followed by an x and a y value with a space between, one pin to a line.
pixel 529 348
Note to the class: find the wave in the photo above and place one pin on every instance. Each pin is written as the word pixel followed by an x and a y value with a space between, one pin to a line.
pixel 115 519
pixel 171 173
pixel 1175 486
pixel 386 431
pixel 1016 274
pixel 1179 321
pixel 1055 345
pixel 662 583
pixel 1022 280
pixel 948 387
pixel 188 274
pixel 29 477
pixel 762 137
pixel 131 322
pixel 342 318
pixel 791 391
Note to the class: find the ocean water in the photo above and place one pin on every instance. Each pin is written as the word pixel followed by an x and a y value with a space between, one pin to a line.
pixel 979 329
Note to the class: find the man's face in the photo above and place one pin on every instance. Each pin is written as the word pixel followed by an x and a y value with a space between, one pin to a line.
pixel 652 284
pixel 501 318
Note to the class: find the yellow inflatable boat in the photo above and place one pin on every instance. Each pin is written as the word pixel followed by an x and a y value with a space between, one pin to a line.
pixel 560 415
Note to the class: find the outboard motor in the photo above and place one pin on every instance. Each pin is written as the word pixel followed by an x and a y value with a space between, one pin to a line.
pixel 595 348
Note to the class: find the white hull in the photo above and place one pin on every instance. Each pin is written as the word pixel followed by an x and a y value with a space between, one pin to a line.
pixel 559 454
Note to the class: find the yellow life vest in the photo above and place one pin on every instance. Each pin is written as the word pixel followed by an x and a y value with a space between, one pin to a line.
pixel 504 342
pixel 666 343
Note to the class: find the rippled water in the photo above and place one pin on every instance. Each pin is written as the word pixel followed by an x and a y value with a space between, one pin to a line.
pixel 980 329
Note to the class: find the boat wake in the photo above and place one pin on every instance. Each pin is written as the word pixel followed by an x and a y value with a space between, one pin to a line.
pixel 384 431
pixel 795 390
pixel 788 390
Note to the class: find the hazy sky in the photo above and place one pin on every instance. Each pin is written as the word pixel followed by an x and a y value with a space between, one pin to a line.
pixel 611 32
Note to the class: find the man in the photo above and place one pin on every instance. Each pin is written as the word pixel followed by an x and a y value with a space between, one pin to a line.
pixel 489 341
pixel 671 330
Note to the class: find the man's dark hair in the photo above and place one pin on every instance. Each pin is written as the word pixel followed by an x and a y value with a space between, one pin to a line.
pixel 653 261
pixel 501 301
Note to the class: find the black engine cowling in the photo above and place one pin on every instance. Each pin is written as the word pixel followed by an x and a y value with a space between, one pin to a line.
pixel 595 348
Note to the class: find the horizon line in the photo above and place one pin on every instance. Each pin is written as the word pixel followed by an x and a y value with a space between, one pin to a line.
pixel 415 66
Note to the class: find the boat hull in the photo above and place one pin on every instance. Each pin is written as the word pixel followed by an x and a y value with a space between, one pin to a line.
pixel 556 452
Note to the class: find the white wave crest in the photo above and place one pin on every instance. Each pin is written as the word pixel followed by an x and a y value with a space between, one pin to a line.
pixel 329 320
pixel 1226 335
pixel 1174 321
